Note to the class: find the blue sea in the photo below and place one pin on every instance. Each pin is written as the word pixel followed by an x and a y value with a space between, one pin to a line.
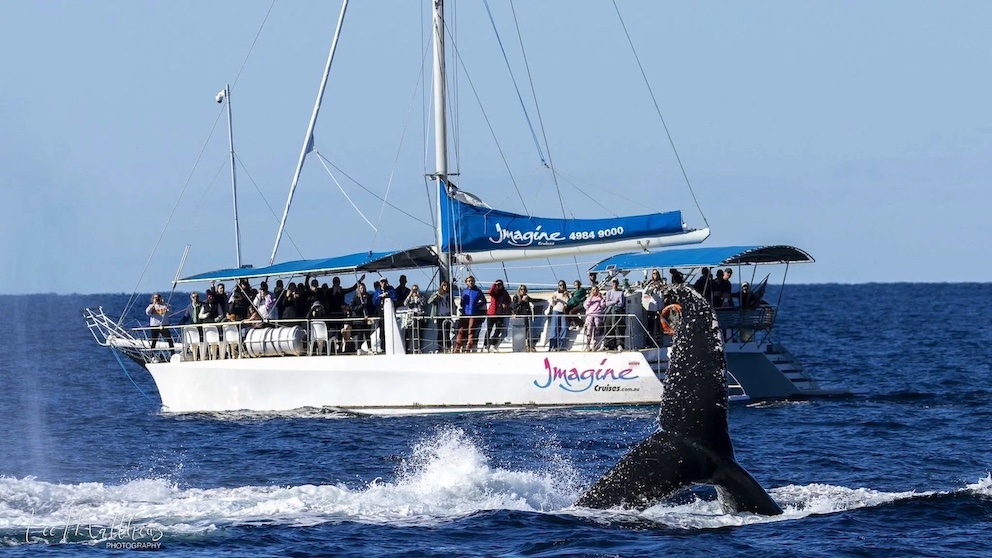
pixel 89 463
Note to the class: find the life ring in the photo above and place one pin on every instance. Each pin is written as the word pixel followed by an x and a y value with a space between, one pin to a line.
pixel 666 324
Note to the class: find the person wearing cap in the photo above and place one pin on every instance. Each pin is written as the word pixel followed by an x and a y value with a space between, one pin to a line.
pixel 748 299
pixel 728 288
pixel 193 310
pixel 263 301
pixel 316 310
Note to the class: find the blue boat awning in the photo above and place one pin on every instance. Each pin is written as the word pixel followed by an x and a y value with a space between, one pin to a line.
pixel 422 256
pixel 699 257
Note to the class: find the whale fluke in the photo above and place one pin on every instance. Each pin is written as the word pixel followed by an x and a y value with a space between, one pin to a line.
pixel 692 445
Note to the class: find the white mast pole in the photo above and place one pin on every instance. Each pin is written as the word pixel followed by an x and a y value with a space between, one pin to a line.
pixel 440 131
pixel 308 140
pixel 226 93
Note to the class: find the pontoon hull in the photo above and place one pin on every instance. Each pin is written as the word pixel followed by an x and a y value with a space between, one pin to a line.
pixel 383 384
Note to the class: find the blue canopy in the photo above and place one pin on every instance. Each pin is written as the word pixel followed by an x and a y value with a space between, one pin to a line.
pixel 699 257
pixel 422 256
pixel 473 227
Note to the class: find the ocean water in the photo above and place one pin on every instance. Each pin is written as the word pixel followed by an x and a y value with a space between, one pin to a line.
pixel 89 463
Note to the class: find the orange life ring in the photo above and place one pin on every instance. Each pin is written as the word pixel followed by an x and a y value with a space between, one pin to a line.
pixel 666 326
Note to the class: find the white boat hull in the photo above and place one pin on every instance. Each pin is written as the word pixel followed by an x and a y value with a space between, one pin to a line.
pixel 390 384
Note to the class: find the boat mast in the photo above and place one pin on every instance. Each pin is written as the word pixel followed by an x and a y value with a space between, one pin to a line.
pixel 221 97
pixel 308 140
pixel 440 134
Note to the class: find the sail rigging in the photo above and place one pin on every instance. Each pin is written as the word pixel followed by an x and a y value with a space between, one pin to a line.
pixel 475 232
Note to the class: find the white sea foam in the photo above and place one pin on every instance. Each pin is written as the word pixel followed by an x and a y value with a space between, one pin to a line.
pixel 983 487
pixel 445 477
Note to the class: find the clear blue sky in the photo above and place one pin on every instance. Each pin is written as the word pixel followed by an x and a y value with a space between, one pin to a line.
pixel 859 131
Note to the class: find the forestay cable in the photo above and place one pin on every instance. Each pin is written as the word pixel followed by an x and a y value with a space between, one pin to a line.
pixel 658 110
pixel 516 88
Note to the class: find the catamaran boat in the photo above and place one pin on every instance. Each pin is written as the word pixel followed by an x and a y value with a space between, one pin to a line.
pixel 297 364
pixel 283 365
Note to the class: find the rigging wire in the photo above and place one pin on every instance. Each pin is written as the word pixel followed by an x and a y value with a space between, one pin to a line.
pixel 133 298
pixel 537 108
pixel 425 111
pixel 266 201
pixel 453 103
pixel 126 373
pixel 134 295
pixel 658 111
pixel 255 40
pixel 220 169
pixel 492 131
pixel 573 181
pixel 370 192
pixel 544 133
pixel 516 87
pixel 399 148
pixel 346 196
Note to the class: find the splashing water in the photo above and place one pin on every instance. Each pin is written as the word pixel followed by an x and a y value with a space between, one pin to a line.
pixel 445 477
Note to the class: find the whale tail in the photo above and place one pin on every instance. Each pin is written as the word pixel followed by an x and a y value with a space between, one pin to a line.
pixel 665 464
pixel 693 445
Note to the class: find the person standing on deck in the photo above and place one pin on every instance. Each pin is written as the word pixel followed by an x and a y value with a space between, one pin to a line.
pixel 440 304
pixel 523 307
pixel 576 305
pixel 556 329
pixel 402 291
pixel 595 306
pixel 616 308
pixel 382 292
pixel 158 319
pixel 704 285
pixel 499 309
pixel 473 313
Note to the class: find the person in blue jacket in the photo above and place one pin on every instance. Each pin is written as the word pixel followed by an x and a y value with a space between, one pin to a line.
pixel 473 313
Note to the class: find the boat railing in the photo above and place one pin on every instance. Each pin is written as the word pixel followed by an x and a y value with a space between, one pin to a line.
pixel 133 343
pixel 744 325
pixel 350 335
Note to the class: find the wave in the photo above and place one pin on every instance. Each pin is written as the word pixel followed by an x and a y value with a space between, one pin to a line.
pixel 446 477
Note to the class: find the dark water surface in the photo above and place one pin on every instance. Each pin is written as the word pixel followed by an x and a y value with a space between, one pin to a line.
pixel 87 459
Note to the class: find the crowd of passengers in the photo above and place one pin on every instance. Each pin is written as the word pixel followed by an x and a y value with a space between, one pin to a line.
pixel 599 312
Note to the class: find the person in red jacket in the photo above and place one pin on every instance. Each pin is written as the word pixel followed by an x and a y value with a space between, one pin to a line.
pixel 499 309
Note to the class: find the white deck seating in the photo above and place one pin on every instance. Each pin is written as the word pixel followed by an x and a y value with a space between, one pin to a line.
pixel 191 341
pixel 211 338
pixel 318 338
pixel 231 342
